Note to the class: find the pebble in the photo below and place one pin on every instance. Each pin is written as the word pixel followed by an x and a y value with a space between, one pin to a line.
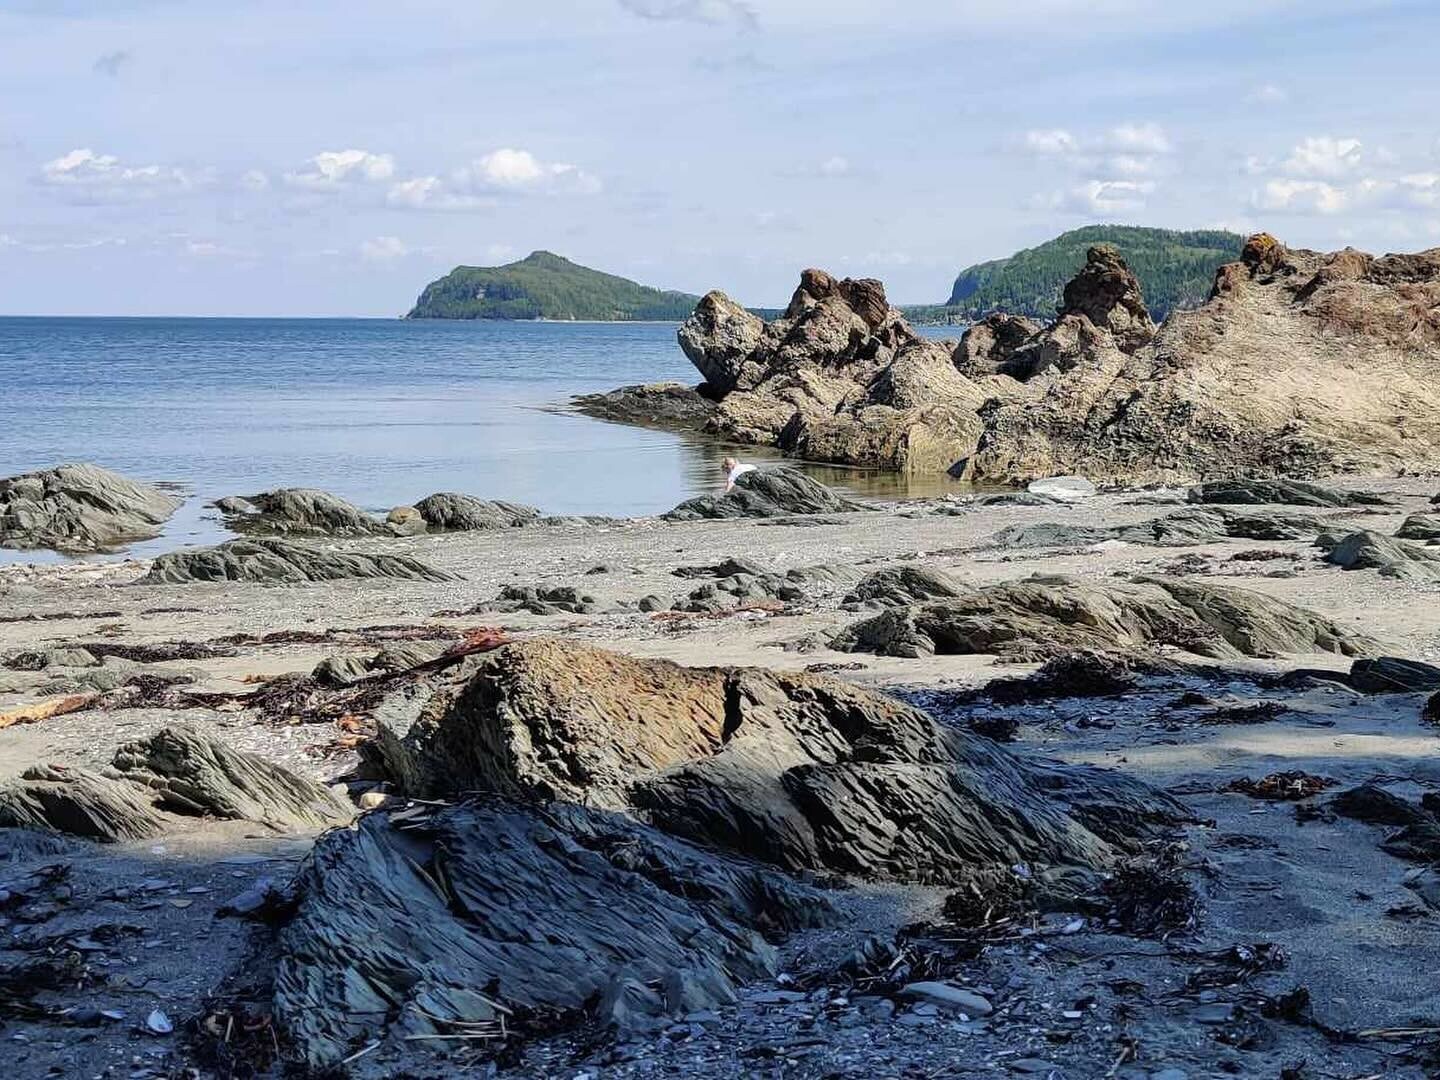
pixel 1170 1074
pixel 1218 1013
pixel 951 997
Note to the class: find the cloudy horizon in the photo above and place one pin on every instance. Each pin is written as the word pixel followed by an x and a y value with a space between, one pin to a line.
pixel 259 159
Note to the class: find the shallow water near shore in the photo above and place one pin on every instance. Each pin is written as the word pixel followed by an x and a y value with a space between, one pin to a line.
pixel 379 411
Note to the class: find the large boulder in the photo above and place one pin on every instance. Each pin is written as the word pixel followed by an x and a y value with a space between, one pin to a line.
pixel 1393 558
pixel 1107 292
pixel 80 508
pixel 1251 491
pixel 1043 616
pixel 762 493
pixel 297 512
pixel 450 511
pixel 1423 527
pixel 272 560
pixel 719 338
pixel 670 406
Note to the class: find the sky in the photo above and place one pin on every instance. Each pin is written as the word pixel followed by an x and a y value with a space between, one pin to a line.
pixel 235 157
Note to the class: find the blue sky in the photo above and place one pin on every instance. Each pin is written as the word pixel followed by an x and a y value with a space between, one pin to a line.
pixel 319 158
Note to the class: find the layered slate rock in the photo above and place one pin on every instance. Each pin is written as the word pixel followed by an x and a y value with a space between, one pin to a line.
pixel 1422 527
pixel 296 512
pixel 772 492
pixel 668 406
pixel 272 560
pixel 1042 616
pixel 1250 491
pixel 430 923
pixel 895 586
pixel 178 770
pixel 448 511
pixel 1195 525
pixel 1374 551
pixel 188 772
pixel 612 856
pixel 802 771
pixel 80 508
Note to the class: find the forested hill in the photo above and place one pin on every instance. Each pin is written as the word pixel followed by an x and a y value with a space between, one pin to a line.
pixel 546 286
pixel 1176 269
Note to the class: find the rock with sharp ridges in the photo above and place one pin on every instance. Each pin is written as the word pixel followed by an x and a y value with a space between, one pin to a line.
pixel 272 560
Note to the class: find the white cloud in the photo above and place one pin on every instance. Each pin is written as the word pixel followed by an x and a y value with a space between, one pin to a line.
pixel 835 166
pixel 1421 189
pixel 1099 197
pixel 1137 138
pixel 1301 196
pixel 508 169
pixel 1268 94
pixel 383 249
pixel 255 180
pixel 710 12
pixel 332 169
pixel 1323 156
pixel 104 176
pixel 1056 141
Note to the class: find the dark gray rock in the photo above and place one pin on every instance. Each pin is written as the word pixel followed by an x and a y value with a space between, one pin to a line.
pixel 1040 617
pixel 189 772
pixel 540 600
pixel 296 512
pixel 1191 526
pixel 751 584
pixel 771 492
pixel 905 584
pixel 1375 551
pixel 668 406
pixel 418 924
pixel 449 511
pixel 1393 675
pixel 79 508
pixel 1257 492
pixel 273 560
pixel 68 799
pixel 1424 527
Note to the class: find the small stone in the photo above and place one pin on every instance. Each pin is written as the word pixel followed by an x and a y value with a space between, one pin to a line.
pixel 1035 1067
pixel 947 996
pixel 376 800
pixel 1218 1013
pixel 157 1023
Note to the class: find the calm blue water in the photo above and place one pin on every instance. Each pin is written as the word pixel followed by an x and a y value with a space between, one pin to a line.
pixel 381 412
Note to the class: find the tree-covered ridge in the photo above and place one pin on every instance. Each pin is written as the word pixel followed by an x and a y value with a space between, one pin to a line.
pixel 1176 270
pixel 546 286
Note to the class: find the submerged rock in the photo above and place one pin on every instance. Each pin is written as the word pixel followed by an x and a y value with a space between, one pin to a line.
pixel 79 508
pixel 296 512
pixel 1042 616
pixel 670 406
pixel 276 561
pixel 773 492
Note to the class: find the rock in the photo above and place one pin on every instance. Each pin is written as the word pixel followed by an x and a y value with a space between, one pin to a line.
pixel 650 602
pixel 337 671
pixel 448 511
pixel 751 584
pixel 904 584
pixel 1424 527
pixel 1259 381
pixel 1070 675
pixel 1374 551
pixel 988 347
pixel 405 521
pixel 1393 675
pixel 191 773
pixel 540 600
pixel 540 908
pixel 279 561
pixel 296 512
pixel 59 657
pixel 66 799
pixel 1062 488
pixel 719 338
pixel 78 509
pixel 800 771
pixel 773 492
pixel 1041 616
pixel 948 997
pixel 669 406
pixel 1259 492
pixel 1183 528
pixel 1106 292
pixel 1374 805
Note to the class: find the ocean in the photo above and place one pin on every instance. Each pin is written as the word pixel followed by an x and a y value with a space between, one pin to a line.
pixel 379 411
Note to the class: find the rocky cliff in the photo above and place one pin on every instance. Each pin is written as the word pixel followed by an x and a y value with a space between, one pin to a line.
pixel 1300 364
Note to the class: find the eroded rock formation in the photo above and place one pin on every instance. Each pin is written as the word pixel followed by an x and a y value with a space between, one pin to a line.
pixel 277 561
pixel 296 512
pixel 775 492
pixel 79 508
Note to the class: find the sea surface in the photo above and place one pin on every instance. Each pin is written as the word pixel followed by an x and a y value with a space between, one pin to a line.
pixel 379 411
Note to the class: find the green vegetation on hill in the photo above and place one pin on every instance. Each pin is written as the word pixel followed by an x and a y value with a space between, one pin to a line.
pixel 1176 270
pixel 546 286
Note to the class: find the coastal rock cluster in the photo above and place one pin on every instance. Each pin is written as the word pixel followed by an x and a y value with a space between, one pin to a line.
pixel 1300 364
pixel 79 509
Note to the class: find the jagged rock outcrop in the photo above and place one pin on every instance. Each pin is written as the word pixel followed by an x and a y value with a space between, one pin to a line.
pixel 989 346
pixel 840 376
pixel 296 512
pixel 273 560
pixel 1184 527
pixel 69 799
pixel 1301 364
pixel 613 860
pixel 78 509
pixel 1422 527
pixel 773 492
pixel 893 586
pixel 750 584
pixel 1043 616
